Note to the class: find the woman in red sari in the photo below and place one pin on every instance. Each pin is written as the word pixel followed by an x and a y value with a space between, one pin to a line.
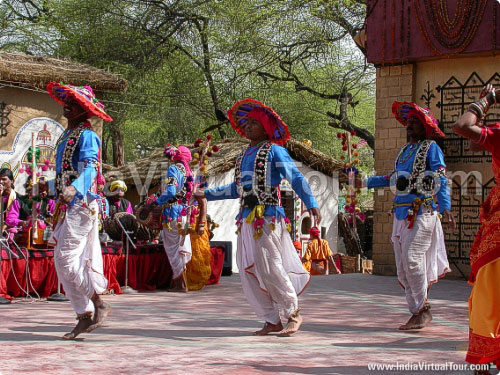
pixel 484 301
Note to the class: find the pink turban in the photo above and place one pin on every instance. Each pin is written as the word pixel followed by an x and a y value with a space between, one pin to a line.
pixel 184 156
pixel 267 121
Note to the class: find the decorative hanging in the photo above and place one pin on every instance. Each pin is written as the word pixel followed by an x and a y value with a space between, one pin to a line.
pixel 4 119
pixel 450 36
pixel 384 42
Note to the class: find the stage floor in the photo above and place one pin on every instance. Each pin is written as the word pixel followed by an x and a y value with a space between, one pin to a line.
pixel 350 321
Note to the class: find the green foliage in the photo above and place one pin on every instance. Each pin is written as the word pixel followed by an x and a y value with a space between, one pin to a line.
pixel 184 59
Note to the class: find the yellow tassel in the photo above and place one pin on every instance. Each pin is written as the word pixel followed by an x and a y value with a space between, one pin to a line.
pixel 179 225
pixel 256 213
pixel 289 227
pixel 258 233
pixel 273 226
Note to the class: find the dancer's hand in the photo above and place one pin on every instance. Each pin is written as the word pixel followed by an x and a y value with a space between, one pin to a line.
pixel 450 220
pixel 314 212
pixel 486 90
pixel 200 229
pixel 359 182
pixel 199 193
pixel 67 195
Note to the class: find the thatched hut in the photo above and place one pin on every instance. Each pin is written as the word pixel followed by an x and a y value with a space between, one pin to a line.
pixel 145 175
pixel 26 109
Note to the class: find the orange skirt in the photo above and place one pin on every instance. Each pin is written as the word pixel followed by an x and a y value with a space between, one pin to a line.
pixel 198 270
pixel 484 316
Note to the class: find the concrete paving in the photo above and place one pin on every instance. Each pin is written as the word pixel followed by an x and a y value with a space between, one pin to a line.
pixel 350 322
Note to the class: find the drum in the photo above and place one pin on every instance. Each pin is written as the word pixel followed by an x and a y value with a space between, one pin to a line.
pixel 143 233
pixel 22 238
pixel 114 230
pixel 150 216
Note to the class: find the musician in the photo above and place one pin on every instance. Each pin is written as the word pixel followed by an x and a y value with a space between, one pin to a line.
pixel 77 255
pixel 117 202
pixel 15 217
pixel 46 206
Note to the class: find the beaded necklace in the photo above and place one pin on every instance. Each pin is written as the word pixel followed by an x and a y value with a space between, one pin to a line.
pixel 67 133
pixel 253 149
pixel 413 148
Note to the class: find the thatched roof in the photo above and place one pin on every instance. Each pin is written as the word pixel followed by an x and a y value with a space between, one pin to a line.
pixel 37 71
pixel 224 160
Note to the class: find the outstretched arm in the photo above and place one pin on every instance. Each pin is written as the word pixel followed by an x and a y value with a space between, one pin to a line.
pixel 202 218
pixel 286 166
pixel 174 181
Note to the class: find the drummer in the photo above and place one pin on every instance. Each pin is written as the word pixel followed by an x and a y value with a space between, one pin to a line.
pixel 117 202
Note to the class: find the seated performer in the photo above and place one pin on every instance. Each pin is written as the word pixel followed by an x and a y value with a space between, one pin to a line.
pixel 318 254
pixel 271 273
pixel 116 200
pixel 14 215
pixel 78 255
pixel 46 206
pixel 174 201
pixel 417 235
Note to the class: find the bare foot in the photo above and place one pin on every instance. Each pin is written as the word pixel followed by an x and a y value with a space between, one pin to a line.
pixel 84 322
pixel 423 319
pixel 179 285
pixel 268 328
pixel 418 321
pixel 102 310
pixel 409 324
pixel 293 325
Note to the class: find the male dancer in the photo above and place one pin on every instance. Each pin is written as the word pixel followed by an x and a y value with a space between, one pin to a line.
pixel 271 273
pixel 77 255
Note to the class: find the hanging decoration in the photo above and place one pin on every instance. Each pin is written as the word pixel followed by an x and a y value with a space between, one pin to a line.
pixel 452 35
pixel 351 171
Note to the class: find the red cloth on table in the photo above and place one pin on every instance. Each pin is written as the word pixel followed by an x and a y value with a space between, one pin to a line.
pixel 110 262
pixel 43 277
pixel 148 269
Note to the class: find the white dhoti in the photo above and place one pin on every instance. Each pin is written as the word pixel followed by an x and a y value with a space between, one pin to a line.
pixel 178 254
pixel 272 275
pixel 420 255
pixel 78 256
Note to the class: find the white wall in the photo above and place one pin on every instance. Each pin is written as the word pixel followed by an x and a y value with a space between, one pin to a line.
pixel 325 190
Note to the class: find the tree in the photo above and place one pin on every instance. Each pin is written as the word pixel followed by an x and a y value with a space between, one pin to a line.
pixel 187 61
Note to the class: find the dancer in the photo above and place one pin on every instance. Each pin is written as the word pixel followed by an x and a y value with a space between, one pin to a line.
pixel 174 201
pixel 77 255
pixel 417 235
pixel 271 273
pixel 198 270
pixel 484 301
